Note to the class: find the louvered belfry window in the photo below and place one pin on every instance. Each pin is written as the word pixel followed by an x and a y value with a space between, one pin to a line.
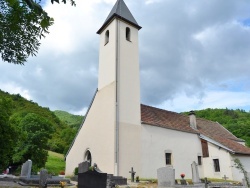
pixel 204 146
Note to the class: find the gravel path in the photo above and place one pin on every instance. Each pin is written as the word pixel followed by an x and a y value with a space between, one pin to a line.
pixel 11 184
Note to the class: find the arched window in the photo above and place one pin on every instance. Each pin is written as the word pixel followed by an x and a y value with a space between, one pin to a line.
pixel 128 33
pixel 106 37
pixel 88 157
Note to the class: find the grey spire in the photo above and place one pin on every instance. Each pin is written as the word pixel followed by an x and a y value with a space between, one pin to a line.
pixel 121 11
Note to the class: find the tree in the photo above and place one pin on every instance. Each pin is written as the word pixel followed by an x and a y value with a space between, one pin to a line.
pixel 35 132
pixel 22 24
pixel 7 133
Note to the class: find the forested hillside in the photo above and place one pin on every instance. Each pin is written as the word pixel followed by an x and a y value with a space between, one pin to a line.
pixel 72 120
pixel 28 130
pixel 236 121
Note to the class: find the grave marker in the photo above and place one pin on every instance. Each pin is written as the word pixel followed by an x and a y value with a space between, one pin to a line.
pixel 195 173
pixel 132 174
pixel 83 167
pixel 43 178
pixel 166 176
pixel 26 169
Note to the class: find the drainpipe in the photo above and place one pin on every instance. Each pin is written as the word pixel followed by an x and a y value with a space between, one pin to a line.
pixel 117 99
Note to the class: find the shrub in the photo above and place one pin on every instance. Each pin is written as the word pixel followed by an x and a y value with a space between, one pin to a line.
pixel 76 171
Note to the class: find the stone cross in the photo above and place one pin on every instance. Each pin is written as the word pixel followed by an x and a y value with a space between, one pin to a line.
pixel 225 177
pixel 132 174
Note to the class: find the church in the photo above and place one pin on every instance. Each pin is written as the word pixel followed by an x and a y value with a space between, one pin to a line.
pixel 119 132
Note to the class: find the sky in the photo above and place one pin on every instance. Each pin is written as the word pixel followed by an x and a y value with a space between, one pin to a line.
pixel 193 55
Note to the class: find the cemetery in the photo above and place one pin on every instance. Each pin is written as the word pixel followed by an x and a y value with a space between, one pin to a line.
pixel 92 177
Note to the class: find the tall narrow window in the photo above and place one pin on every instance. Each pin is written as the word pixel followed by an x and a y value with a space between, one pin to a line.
pixel 204 147
pixel 199 160
pixel 216 165
pixel 168 158
pixel 88 157
pixel 106 37
pixel 128 33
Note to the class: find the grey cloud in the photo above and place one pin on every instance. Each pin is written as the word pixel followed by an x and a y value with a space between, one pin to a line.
pixel 172 60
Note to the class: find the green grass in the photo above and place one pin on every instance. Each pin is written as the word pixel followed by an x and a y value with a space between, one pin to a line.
pixel 55 163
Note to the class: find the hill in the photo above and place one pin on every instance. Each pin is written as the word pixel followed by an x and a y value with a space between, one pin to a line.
pixel 74 121
pixel 236 121
pixel 55 163
pixel 29 130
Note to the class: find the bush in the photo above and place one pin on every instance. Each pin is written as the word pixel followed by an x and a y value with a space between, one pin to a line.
pixel 76 171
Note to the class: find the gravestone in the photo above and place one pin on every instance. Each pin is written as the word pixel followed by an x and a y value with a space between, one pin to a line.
pixel 92 179
pixel 26 169
pixel 183 182
pixel 83 167
pixel 195 173
pixel 43 178
pixel 166 176
pixel 132 174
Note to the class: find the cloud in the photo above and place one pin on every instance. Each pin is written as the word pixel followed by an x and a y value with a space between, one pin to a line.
pixel 190 51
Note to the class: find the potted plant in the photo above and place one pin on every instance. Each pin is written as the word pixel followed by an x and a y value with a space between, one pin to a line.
pixel 62 174
pixel 137 179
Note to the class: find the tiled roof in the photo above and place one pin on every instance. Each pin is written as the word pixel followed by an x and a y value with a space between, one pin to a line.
pixel 172 120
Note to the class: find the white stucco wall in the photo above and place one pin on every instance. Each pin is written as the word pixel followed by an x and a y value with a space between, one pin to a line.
pixel 129 100
pixel 107 57
pixel 224 157
pixel 245 160
pixel 130 147
pixel 97 134
pixel 129 76
pixel 185 148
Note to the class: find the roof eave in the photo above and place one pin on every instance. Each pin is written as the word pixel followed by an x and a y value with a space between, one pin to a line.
pixel 241 153
pixel 85 117
pixel 119 17
pixel 216 143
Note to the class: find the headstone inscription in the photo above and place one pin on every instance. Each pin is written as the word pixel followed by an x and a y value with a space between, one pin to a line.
pixel 166 176
pixel 26 169
pixel 132 174
pixel 43 178
pixel 195 173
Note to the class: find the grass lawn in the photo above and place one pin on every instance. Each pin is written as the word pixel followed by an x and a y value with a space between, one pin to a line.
pixel 55 163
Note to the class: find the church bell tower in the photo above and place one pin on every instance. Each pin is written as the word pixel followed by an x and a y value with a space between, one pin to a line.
pixel 110 135
pixel 119 66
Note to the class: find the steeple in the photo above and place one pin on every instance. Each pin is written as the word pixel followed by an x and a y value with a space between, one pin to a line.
pixel 121 11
